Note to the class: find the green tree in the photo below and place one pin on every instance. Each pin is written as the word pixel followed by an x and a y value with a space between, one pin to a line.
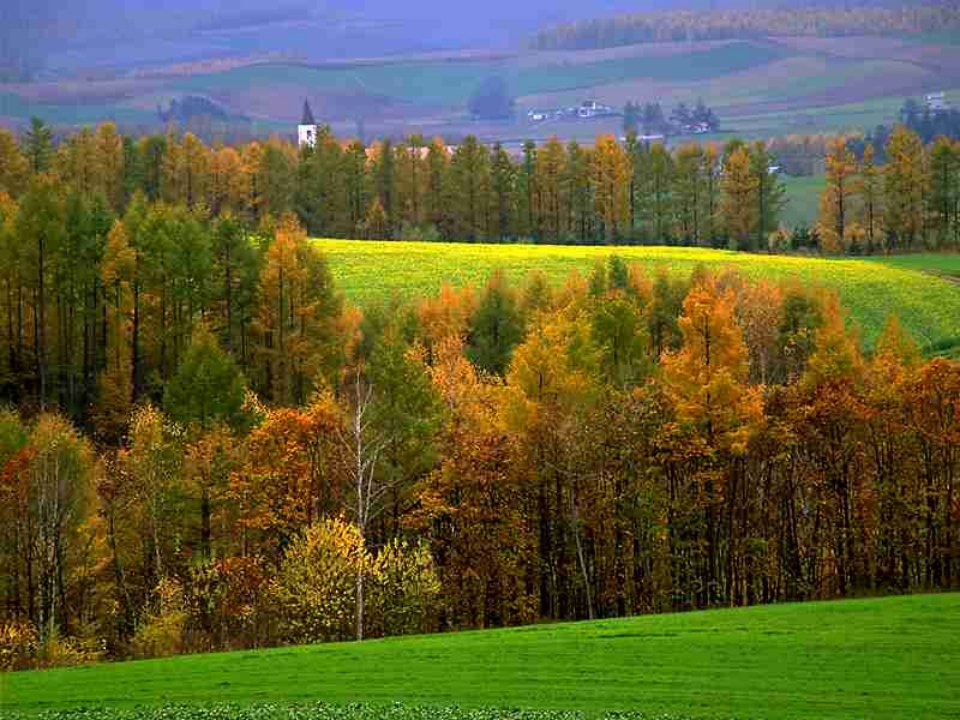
pixel 944 199
pixel 207 388
pixel 503 186
pixel 770 193
pixel 496 326
pixel 41 229
pixel 469 188
pixel 38 146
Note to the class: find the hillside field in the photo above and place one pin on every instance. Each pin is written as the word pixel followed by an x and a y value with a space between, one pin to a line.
pixel 880 658
pixel 759 88
pixel 927 304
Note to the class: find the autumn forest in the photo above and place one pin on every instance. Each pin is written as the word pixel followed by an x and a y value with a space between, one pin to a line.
pixel 205 447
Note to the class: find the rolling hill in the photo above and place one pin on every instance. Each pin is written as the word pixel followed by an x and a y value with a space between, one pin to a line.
pixel 882 658
pixel 927 303
pixel 759 87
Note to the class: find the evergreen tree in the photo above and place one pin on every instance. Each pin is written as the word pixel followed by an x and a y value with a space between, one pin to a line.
pixel 770 193
pixel 496 326
pixel 38 146
pixel 207 388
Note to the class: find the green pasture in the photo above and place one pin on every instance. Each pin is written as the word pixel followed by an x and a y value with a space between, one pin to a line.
pixel 855 659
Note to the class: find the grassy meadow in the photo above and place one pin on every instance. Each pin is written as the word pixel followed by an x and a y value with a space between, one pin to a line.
pixel 929 306
pixel 944 264
pixel 802 199
pixel 878 658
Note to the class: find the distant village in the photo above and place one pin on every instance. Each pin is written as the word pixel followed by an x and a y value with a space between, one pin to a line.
pixel 586 110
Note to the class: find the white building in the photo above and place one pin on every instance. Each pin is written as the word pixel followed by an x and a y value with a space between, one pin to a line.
pixel 307 129
pixel 591 108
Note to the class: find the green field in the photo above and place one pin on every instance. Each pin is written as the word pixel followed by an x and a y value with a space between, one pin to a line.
pixel 927 305
pixel 881 658
pixel 939 263
pixel 802 200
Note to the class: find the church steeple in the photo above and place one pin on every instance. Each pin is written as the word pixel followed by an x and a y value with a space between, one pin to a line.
pixel 307 114
pixel 307 130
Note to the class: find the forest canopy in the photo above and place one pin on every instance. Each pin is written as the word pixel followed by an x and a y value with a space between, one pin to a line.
pixel 682 26
pixel 203 446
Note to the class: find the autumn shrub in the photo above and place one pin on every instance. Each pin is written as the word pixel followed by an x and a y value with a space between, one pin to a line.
pixel 407 591
pixel 22 648
pixel 232 604
pixel 161 633
pixel 58 651
pixel 316 592
pixel 779 240
pixel 18 645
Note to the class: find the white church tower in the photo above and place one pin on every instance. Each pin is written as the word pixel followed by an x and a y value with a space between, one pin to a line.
pixel 307 129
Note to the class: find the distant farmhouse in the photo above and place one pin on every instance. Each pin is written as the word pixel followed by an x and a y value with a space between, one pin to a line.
pixel 307 129
pixel 592 109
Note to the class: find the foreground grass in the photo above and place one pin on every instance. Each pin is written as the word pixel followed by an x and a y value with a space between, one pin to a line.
pixel 883 658
pixel 928 306
pixel 319 711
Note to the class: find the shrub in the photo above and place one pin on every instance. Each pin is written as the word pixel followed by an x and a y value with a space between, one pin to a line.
pixel 317 584
pixel 18 645
pixel 161 633
pixel 407 589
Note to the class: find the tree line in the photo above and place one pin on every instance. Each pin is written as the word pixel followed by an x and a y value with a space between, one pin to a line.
pixel 622 192
pixel 910 202
pixel 206 448
pixel 625 192
pixel 689 26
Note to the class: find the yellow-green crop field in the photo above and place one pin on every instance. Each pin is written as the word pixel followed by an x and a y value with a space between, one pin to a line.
pixel 928 304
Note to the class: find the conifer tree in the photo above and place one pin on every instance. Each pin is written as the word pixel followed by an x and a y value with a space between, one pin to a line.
pixel 769 193
pixel 871 201
pixel 610 172
pixel 836 200
pixel 38 146
pixel 905 188
pixel 738 204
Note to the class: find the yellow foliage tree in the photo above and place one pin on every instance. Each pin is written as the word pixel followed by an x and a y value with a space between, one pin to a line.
pixel 836 200
pixel 116 380
pixel 610 175
pixel 738 189
pixel 706 378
